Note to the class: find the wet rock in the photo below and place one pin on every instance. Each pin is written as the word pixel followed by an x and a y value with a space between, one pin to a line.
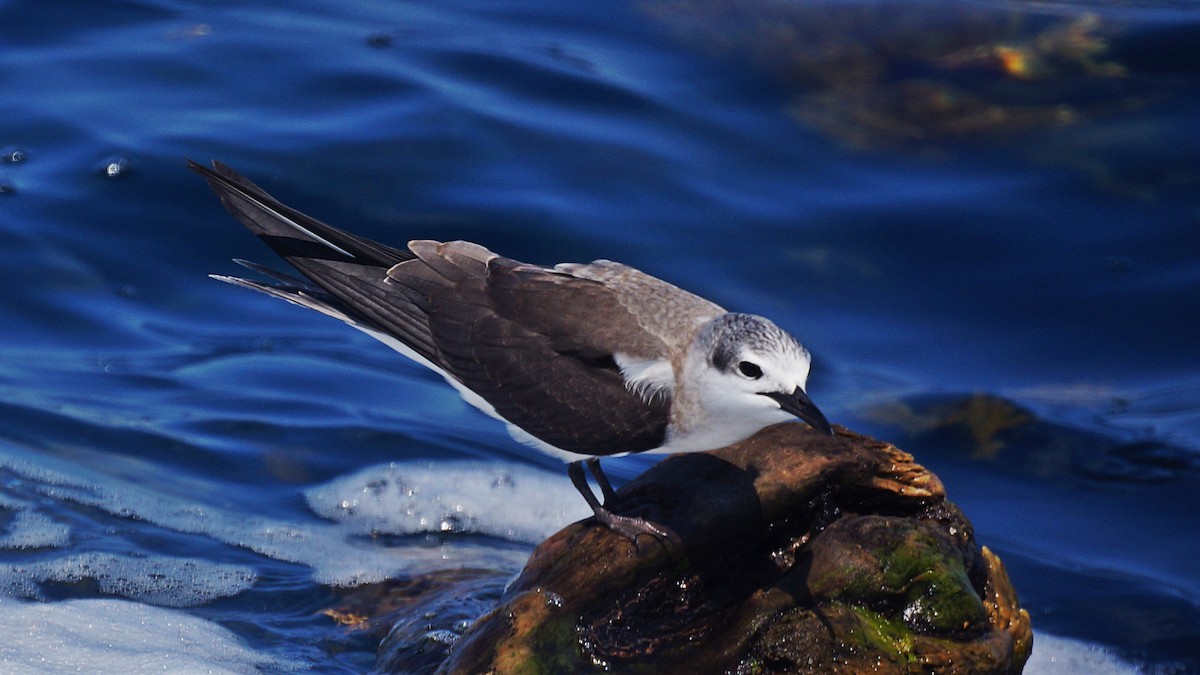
pixel 431 621
pixel 414 620
pixel 793 552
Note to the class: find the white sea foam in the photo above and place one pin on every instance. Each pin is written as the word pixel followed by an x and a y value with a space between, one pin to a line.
pixel 510 502
pixel 67 522
pixel 519 504
pixel 515 503
pixel 120 636
pixel 117 636
pixel 1053 655
pixel 30 529
pixel 159 580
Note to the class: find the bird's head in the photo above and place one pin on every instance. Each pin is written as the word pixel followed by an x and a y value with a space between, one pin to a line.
pixel 746 373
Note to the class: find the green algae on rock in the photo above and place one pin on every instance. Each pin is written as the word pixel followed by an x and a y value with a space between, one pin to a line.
pixel 793 552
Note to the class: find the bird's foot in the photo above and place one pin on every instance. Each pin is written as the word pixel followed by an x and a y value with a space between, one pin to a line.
pixel 631 527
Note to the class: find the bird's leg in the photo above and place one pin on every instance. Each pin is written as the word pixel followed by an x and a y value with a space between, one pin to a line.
pixel 606 488
pixel 575 471
pixel 626 526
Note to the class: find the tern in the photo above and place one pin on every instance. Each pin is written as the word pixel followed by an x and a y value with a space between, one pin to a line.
pixel 579 360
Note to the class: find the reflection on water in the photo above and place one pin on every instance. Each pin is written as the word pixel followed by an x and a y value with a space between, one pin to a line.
pixel 937 197
pixel 884 73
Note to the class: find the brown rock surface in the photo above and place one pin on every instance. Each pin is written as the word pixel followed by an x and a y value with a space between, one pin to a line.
pixel 794 552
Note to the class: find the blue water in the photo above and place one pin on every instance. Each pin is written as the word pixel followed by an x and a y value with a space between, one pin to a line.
pixel 940 199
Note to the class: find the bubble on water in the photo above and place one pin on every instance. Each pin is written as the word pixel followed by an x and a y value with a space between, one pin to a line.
pixel 515 503
pixel 445 637
pixel 30 529
pixel 1053 654
pixel 117 636
pixel 12 155
pixel 115 167
pixel 160 580
pixel 338 553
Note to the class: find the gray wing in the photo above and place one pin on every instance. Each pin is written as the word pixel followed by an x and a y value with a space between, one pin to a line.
pixel 472 315
pixel 608 306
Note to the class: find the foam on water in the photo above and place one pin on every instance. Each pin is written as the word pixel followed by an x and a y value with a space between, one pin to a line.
pixel 30 529
pixel 117 636
pixel 1053 655
pixel 513 503
pixel 121 636
pixel 505 501
pixel 160 580
pixel 501 500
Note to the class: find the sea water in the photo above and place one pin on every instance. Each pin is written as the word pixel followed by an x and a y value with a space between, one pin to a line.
pixel 981 218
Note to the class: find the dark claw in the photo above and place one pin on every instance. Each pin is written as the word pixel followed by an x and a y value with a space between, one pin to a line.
pixel 627 526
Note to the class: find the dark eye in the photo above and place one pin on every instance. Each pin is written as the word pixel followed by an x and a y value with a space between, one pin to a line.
pixel 749 370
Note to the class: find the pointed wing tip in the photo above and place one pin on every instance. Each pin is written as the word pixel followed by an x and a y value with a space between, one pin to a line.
pixel 217 170
pixel 236 281
pixel 198 167
pixel 243 283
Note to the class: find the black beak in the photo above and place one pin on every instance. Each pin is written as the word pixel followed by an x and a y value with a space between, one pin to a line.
pixel 798 404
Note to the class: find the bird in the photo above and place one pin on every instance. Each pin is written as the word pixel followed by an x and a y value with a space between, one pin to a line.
pixel 579 360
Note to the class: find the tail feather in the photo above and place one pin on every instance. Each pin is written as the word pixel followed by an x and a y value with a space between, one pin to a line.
pixel 346 275
pixel 288 232
pixel 280 277
pixel 320 302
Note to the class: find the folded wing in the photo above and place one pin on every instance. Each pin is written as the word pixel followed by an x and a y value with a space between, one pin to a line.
pixel 536 344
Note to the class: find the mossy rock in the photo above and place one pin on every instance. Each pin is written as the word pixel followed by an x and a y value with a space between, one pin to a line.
pixel 793 552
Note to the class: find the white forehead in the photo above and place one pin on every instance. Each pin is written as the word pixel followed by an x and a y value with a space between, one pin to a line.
pixel 733 337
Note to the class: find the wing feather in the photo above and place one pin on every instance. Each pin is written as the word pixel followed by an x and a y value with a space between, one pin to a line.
pixel 516 335
pixel 562 394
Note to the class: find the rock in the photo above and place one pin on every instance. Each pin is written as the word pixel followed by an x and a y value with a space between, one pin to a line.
pixel 426 614
pixel 411 621
pixel 794 552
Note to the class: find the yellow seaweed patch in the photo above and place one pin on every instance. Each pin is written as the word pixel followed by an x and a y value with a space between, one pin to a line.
pixel 349 619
